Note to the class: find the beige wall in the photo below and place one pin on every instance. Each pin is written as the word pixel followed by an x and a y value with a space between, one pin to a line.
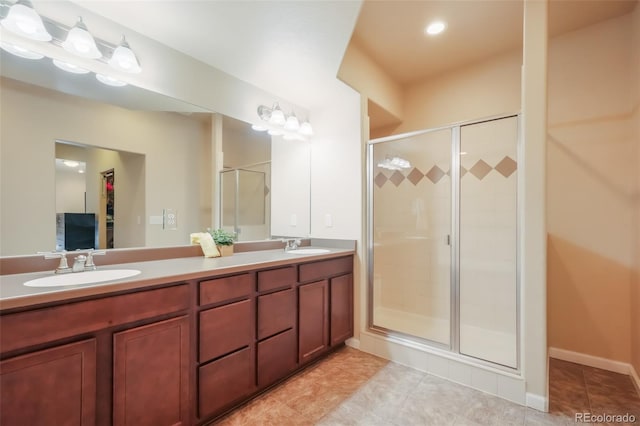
pixel 33 119
pixel 490 87
pixel 592 178
pixel 635 283
pixel 365 76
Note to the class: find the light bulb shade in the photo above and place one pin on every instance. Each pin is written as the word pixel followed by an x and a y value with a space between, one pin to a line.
pixel 306 129
pixel 292 123
pixel 20 51
pixel 68 67
pixel 258 128
pixel 277 116
pixel 80 42
pixel 110 81
pixel 123 58
pixel 23 20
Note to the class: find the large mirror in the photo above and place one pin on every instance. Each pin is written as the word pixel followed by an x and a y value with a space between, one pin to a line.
pixel 167 166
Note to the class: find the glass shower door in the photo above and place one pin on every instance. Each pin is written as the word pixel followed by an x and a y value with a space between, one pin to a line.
pixel 411 232
pixel 488 241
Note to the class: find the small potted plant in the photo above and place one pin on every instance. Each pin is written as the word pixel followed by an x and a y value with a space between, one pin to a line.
pixel 224 240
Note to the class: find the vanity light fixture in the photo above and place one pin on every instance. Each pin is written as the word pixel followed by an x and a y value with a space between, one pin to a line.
pixel 69 67
pixel 70 163
pixel 277 123
pixel 306 129
pixel 80 42
pixel 20 51
pixel 23 20
pixel 258 128
pixel 436 27
pixel 292 123
pixel 123 58
pixel 277 116
pixel 110 81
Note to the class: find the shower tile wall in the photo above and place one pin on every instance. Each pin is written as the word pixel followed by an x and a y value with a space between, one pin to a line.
pixel 488 230
pixel 412 220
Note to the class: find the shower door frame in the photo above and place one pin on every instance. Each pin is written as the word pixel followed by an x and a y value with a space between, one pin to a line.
pixel 453 348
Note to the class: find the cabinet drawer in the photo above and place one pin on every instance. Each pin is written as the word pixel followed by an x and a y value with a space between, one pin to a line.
pixel 225 329
pixel 276 278
pixel 48 324
pixel 326 268
pixel 227 288
pixel 277 357
pixel 225 381
pixel 276 312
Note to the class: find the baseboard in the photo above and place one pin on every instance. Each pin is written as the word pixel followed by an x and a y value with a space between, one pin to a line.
pixel 537 402
pixel 353 343
pixel 635 378
pixel 591 361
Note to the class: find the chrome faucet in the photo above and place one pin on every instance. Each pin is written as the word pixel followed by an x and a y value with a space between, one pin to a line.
pixel 292 244
pixel 78 263
pixel 89 265
pixel 63 266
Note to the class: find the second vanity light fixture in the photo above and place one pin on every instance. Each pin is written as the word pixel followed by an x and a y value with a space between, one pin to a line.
pixel 23 20
pixel 276 123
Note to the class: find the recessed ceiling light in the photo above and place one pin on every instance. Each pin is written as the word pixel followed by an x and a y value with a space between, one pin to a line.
pixel 435 27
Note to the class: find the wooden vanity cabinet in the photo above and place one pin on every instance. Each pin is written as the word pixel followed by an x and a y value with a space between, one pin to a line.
pixel 177 354
pixel 115 360
pixel 325 306
pixel 64 378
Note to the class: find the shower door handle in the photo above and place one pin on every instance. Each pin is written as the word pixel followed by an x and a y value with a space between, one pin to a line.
pixel 448 239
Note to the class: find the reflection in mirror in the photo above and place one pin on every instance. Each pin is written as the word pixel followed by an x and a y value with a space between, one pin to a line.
pixel 245 181
pixel 41 104
pixel 86 184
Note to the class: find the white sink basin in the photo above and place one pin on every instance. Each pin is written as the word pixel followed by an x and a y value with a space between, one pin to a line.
pixel 76 278
pixel 309 251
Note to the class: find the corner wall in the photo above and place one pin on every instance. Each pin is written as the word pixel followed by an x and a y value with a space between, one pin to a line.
pixel 592 174
pixel 635 283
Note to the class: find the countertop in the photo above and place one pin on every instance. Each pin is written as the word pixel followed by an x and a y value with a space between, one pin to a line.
pixel 14 294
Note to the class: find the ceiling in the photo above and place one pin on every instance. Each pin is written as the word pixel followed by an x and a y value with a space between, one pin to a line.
pixel 391 32
pixel 293 48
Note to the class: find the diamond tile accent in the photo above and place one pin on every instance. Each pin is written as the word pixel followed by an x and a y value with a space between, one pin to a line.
pixel 415 176
pixel 435 174
pixel 506 166
pixel 396 178
pixel 480 169
pixel 463 171
pixel 380 179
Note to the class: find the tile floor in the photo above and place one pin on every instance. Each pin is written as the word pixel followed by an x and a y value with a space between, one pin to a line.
pixel 351 387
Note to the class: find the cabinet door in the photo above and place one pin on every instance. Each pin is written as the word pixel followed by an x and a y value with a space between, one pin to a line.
pixel 55 386
pixel 151 374
pixel 341 308
pixel 313 324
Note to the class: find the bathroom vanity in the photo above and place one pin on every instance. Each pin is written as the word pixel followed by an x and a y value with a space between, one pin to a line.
pixel 180 344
